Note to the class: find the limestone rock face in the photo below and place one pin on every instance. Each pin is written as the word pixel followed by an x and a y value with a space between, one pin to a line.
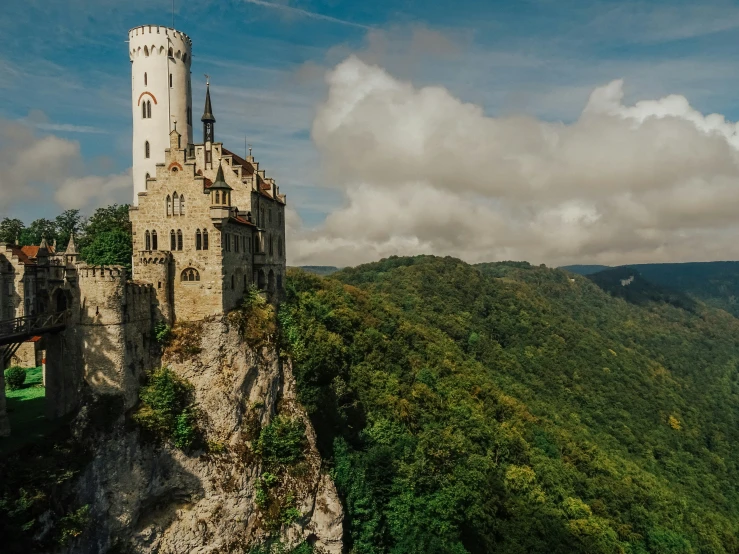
pixel 152 498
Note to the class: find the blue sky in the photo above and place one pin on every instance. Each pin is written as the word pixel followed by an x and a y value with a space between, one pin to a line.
pixel 64 69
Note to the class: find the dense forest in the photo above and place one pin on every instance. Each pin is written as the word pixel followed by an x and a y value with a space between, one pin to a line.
pixel 517 409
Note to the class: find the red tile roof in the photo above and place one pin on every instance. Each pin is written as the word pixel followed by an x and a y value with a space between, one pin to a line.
pixel 32 251
pixel 242 221
pixel 247 168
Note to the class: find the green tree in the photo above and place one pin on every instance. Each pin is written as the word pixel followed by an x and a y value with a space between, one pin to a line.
pixel 39 229
pixel 10 230
pixel 66 223
pixel 111 247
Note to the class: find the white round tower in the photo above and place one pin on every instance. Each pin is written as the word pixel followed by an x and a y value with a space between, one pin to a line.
pixel 161 96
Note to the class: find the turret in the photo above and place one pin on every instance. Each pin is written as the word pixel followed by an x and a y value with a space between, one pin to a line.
pixel 220 197
pixel 160 94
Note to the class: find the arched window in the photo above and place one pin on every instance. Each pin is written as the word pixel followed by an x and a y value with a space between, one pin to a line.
pixel 198 240
pixel 170 53
pixel 169 205
pixel 205 239
pixel 190 274
pixel 182 205
pixel 172 240
pixel 218 197
pixel 175 204
pixel 143 110
pixel 147 149
pixel 154 240
pixel 148 109
pixel 146 51
pixel 148 176
pixel 148 240
pixel 145 79
pixel 179 239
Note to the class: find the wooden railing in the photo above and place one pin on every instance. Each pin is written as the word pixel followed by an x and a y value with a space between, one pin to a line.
pixel 11 330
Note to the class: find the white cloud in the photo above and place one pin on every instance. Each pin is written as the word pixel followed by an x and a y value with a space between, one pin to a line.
pixel 423 172
pixel 41 167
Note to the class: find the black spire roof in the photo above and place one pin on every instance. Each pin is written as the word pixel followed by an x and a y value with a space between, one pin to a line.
pixel 208 112
pixel 220 182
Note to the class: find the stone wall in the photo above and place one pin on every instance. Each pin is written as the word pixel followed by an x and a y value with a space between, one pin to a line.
pixel 114 331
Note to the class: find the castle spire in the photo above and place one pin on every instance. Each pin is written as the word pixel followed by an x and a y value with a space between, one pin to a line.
pixel 71 246
pixel 208 118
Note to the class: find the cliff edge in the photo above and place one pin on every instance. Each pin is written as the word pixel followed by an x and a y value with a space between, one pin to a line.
pixel 223 496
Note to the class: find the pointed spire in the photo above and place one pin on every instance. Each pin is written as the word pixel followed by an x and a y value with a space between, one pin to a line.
pixel 43 244
pixel 71 247
pixel 208 111
pixel 220 182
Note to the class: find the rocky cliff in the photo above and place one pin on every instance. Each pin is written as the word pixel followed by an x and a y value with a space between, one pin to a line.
pixel 145 496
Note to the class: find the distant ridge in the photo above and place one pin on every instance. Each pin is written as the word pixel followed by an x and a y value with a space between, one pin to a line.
pixel 319 269
pixel 715 283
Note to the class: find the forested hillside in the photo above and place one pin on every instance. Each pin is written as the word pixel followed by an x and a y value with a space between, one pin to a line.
pixel 506 408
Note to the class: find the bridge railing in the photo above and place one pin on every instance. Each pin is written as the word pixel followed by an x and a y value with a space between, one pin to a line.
pixel 31 323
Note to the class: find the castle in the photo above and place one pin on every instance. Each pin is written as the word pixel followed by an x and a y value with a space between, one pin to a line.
pixel 207 224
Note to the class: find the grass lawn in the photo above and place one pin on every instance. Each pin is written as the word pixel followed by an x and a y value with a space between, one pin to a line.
pixel 26 413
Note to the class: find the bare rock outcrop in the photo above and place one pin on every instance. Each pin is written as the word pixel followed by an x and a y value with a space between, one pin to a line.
pixel 155 498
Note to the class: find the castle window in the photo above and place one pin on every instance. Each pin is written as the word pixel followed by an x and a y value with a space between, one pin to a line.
pixel 190 275
pixel 279 246
pixel 184 58
pixel 170 80
pixel 236 243
pixel 270 216
pixel 148 109
pixel 198 240
pixel 146 51
pixel 143 110
pixel 182 205
pixel 175 204
pixel 205 239
pixel 148 241
pixel 172 240
pixel 169 205
pixel 147 149
pixel 271 244
pixel 154 240
pixel 218 197
pixel 145 79
pixel 179 239
pixel 232 283
pixel 170 53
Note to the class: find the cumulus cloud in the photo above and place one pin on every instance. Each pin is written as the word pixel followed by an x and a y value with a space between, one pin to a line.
pixel 38 167
pixel 423 172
